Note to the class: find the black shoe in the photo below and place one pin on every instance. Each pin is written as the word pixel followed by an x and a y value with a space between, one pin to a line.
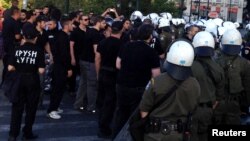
pixel 29 137
pixel 11 138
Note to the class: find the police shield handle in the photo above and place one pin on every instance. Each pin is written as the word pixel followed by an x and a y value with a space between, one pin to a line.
pixel 70 72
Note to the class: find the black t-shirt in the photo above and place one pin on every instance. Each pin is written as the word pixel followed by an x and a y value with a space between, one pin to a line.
pixel 52 37
pixel 28 25
pixel 93 37
pixel 78 37
pixel 42 39
pixel 61 54
pixel 137 61
pixel 27 58
pixel 11 27
pixel 156 45
pixel 109 48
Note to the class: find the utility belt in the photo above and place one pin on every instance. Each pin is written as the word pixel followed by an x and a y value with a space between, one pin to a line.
pixel 206 104
pixel 234 97
pixel 165 127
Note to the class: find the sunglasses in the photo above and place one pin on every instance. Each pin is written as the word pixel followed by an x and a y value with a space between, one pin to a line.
pixel 85 19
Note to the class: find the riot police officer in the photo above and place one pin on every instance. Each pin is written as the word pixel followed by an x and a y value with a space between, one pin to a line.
pixel 169 118
pixel 26 61
pixel 237 80
pixel 211 79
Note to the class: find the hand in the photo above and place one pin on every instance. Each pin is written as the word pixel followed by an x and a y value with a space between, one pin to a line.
pixel 215 104
pixel 69 73
pixel 73 62
pixel 51 60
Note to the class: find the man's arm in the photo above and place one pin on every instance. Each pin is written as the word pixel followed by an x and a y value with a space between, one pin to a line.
pixel 72 53
pixel 97 62
pixel 118 63
pixel 155 72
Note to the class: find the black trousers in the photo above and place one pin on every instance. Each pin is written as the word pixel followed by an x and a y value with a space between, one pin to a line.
pixel 128 100
pixel 106 100
pixel 59 80
pixel 5 66
pixel 28 98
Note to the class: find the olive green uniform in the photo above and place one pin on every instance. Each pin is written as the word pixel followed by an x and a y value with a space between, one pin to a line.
pixel 211 79
pixel 177 106
pixel 237 83
pixel 166 39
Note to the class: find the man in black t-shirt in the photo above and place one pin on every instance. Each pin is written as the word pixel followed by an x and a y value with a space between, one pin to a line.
pixel 137 63
pixel 105 61
pixel 11 36
pixel 61 68
pixel 77 43
pixel 26 61
pixel 92 39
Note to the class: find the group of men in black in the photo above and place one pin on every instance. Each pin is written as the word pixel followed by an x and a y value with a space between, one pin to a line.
pixel 80 45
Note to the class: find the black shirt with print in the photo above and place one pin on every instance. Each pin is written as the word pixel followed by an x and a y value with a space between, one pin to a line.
pixel 137 61
pixel 109 49
pixel 27 58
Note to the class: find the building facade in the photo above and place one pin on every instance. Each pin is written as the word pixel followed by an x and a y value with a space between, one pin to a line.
pixel 231 10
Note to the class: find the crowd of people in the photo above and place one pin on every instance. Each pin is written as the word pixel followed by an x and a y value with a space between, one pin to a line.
pixel 123 64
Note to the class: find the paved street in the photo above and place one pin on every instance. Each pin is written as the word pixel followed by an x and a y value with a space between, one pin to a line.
pixel 74 126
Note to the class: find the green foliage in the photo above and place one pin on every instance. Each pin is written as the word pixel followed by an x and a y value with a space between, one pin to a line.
pixel 164 6
pixel 99 6
pixel 5 3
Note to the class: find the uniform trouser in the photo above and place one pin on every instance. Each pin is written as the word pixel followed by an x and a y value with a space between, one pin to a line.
pixel 72 79
pixel 127 100
pixel 88 85
pixel 227 112
pixel 28 95
pixel 161 137
pixel 59 76
pixel 107 98
pixel 202 118
pixel 82 89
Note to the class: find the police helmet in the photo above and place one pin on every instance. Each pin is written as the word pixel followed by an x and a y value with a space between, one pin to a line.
pixel 218 21
pixel 179 60
pixel 109 21
pixel 229 25
pixel 231 42
pixel 163 22
pixel 211 27
pixel 166 15
pixel 135 15
pixel 203 43
pixel 154 18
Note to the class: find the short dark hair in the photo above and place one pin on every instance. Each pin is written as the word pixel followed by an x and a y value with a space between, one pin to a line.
pixel 97 19
pixel 29 14
pixel 145 31
pixel 64 21
pixel 40 19
pixel 14 10
pixel 24 11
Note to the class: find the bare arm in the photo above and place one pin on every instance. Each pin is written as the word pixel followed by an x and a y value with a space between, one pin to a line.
pixel 155 72
pixel 72 53
pixel 41 70
pixel 118 63
pixel 97 62
pixel 143 114
pixel 48 50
